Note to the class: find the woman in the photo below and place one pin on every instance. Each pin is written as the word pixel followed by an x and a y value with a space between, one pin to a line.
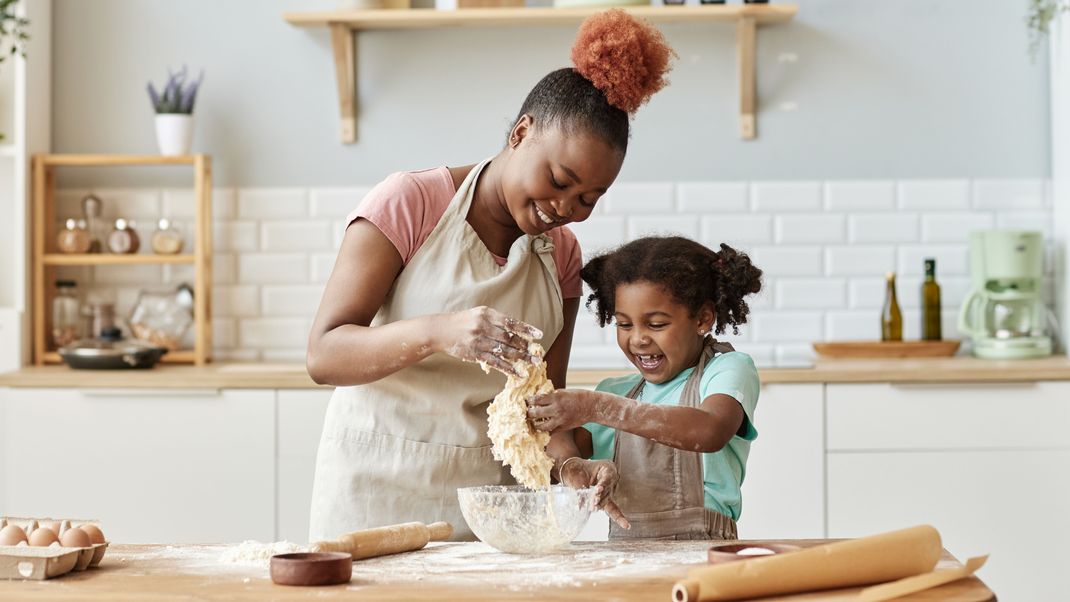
pixel 443 268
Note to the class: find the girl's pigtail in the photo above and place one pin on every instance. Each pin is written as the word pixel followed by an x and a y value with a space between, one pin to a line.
pixel 734 277
pixel 602 299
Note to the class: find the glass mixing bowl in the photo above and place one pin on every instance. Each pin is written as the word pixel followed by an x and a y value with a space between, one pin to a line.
pixel 519 520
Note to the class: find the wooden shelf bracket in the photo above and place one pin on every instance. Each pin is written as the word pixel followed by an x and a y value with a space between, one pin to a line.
pixel 345 72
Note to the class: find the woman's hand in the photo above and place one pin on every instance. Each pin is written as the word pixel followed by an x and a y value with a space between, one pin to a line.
pixel 564 409
pixel 483 334
pixel 600 474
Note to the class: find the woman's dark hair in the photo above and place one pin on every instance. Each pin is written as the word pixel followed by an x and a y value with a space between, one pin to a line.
pixel 693 274
pixel 620 62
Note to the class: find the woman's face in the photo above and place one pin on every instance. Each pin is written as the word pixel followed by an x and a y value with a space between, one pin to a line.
pixel 658 335
pixel 553 178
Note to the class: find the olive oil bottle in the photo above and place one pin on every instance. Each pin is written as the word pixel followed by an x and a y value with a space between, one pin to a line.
pixel 930 304
pixel 891 317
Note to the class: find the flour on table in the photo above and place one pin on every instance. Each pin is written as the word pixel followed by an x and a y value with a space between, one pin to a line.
pixel 257 553
pixel 516 444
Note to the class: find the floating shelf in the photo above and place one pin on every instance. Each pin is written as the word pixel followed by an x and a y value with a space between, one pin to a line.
pixel 343 24
pixel 108 259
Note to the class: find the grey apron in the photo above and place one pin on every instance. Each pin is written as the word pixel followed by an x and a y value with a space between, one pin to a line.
pixel 660 488
pixel 397 449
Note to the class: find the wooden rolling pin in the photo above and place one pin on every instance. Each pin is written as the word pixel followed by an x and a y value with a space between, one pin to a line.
pixel 383 541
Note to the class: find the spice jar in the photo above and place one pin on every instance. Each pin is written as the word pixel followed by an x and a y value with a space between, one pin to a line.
pixel 166 240
pixel 74 238
pixel 123 239
pixel 66 327
pixel 92 207
pixel 162 318
pixel 101 318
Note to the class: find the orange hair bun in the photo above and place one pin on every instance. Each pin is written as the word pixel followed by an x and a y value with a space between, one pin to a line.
pixel 627 59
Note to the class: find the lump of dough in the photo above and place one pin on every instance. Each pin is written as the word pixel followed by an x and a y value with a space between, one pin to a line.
pixel 516 444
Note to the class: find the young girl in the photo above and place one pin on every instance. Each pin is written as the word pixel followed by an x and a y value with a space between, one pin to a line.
pixel 678 433
pixel 444 267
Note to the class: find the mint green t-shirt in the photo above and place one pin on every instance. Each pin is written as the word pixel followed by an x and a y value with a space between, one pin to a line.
pixel 732 374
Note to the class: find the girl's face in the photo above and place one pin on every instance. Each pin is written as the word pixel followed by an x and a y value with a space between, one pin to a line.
pixel 657 334
pixel 552 178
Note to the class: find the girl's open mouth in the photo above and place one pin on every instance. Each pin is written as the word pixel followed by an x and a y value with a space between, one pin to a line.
pixel 650 362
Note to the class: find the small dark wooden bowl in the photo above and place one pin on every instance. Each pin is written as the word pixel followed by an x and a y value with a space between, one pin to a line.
pixel 312 568
pixel 729 552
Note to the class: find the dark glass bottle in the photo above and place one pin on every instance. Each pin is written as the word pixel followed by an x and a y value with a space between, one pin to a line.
pixel 891 317
pixel 930 304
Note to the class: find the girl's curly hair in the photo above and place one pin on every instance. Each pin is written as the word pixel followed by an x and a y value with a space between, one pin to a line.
pixel 620 62
pixel 693 274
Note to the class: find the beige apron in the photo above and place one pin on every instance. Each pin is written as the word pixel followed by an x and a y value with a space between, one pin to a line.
pixel 660 488
pixel 396 450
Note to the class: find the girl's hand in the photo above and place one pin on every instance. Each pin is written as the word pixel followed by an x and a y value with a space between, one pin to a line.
pixel 486 335
pixel 600 474
pixel 562 409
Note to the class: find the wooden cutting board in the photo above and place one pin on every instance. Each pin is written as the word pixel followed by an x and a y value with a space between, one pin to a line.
pixel 886 349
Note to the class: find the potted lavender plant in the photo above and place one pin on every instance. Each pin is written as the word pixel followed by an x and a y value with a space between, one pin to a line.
pixel 174 112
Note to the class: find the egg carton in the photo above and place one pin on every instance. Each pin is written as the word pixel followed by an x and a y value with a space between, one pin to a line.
pixel 39 563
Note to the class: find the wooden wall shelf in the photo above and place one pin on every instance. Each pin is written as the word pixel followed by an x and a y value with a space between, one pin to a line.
pixel 343 24
pixel 45 259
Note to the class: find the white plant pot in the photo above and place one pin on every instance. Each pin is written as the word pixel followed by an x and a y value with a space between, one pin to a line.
pixel 174 133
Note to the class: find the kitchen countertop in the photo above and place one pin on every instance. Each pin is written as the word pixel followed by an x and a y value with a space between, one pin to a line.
pixel 626 571
pixel 293 375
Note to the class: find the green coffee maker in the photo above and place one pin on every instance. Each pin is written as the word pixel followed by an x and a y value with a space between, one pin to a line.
pixel 1004 313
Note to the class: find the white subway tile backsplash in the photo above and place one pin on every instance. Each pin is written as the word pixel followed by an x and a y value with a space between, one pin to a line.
pixel 670 225
pixel 954 227
pixel 297 236
pixel 787 326
pixel 273 268
pixel 600 233
pixel 883 227
pixel 235 236
pixel 810 293
pixel 736 230
pixel 951 260
pixel 929 195
pixel 823 246
pixel 787 260
pixel 241 301
pixel 1001 195
pixel 1040 221
pixel 335 203
pixel 861 195
pixel 649 197
pixel 796 229
pixel 274 333
pixel 291 300
pixel 713 197
pixel 787 197
pixel 320 266
pixel 272 203
pixel 859 260
pixel 853 325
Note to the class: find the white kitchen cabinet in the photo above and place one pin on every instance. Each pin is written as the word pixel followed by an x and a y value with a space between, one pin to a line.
pixel 301 413
pixel 784 488
pixel 174 466
pixel 986 465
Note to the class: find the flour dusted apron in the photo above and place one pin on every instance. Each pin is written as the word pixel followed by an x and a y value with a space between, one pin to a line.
pixel 396 450
pixel 660 488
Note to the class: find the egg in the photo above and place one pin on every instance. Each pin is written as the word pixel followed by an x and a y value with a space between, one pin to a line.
pixel 94 533
pixel 43 537
pixel 12 535
pixel 75 538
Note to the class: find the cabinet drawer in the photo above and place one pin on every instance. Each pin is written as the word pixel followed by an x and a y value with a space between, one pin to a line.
pixel 948 416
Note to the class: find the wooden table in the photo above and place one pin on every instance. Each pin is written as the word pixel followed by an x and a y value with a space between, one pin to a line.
pixel 455 571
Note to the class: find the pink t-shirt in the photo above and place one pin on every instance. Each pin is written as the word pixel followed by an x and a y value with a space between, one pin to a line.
pixel 407 206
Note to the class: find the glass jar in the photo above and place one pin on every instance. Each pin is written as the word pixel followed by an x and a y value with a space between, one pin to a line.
pixel 100 317
pixel 166 240
pixel 162 318
pixel 92 207
pixel 66 325
pixel 74 238
pixel 123 239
